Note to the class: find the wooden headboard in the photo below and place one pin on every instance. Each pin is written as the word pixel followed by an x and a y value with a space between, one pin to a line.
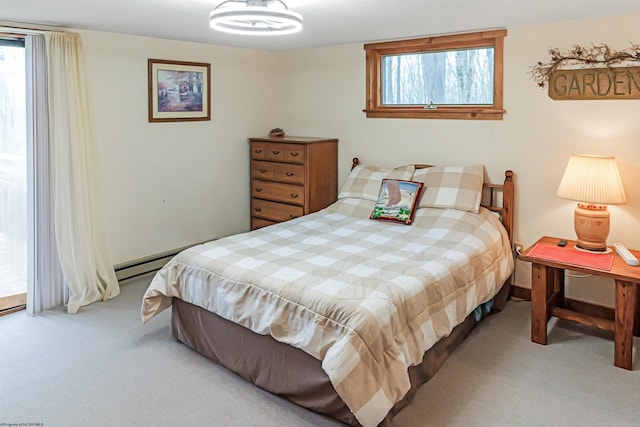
pixel 491 197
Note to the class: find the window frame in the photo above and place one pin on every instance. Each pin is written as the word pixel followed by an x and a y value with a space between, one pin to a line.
pixel 375 52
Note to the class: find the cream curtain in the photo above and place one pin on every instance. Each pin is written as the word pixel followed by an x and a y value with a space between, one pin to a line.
pixel 78 226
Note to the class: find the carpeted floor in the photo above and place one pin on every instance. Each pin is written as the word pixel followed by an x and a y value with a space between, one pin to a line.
pixel 102 367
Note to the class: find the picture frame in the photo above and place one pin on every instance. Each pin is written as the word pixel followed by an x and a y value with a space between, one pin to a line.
pixel 179 91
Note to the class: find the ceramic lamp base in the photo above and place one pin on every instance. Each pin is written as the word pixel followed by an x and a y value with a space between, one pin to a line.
pixel 592 224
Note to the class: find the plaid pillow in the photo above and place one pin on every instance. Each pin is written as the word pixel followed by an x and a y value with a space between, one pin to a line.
pixel 454 187
pixel 364 181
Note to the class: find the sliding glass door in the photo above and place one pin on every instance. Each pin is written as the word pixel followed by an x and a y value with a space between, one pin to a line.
pixel 13 174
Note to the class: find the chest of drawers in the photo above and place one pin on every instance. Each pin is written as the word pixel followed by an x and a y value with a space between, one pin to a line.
pixel 291 176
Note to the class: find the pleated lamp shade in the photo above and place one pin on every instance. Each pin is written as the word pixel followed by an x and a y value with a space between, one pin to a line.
pixel 594 182
pixel 592 179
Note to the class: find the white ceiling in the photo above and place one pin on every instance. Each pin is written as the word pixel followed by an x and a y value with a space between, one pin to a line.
pixel 326 22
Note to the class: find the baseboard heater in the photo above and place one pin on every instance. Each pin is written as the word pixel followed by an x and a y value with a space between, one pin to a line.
pixel 148 264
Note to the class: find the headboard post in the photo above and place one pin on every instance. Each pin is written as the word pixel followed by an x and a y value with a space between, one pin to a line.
pixel 355 162
pixel 507 204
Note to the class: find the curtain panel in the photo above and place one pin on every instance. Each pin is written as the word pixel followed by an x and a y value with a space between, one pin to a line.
pixel 45 283
pixel 81 243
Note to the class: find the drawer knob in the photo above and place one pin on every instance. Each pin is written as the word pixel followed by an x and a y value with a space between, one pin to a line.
pixel 258 190
pixel 258 151
pixel 294 154
pixel 294 196
pixel 263 171
pixel 275 152
pixel 257 209
pixel 289 173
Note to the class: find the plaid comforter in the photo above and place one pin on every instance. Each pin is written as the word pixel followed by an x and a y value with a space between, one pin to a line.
pixel 365 297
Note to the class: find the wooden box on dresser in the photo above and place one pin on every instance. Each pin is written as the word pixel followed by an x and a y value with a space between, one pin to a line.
pixel 291 176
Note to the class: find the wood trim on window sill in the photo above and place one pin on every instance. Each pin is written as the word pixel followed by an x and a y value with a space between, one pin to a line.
pixel 439 113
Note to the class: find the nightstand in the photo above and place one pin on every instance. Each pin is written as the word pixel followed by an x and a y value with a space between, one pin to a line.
pixel 547 295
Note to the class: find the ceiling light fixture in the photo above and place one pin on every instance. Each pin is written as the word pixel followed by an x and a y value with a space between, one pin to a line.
pixel 255 17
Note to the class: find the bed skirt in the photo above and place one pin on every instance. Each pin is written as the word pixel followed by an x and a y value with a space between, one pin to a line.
pixel 290 372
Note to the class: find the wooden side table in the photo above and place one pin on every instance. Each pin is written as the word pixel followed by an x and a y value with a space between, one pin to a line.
pixel 547 299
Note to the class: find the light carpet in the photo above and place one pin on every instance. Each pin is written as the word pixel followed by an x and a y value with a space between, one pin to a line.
pixel 102 367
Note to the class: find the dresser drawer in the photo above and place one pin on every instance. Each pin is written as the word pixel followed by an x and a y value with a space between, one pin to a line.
pixel 263 170
pixel 288 153
pixel 258 150
pixel 259 223
pixel 281 172
pixel 287 193
pixel 294 153
pixel 275 211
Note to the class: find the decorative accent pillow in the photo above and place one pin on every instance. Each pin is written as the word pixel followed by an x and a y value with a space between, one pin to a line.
pixel 397 201
pixel 454 187
pixel 364 181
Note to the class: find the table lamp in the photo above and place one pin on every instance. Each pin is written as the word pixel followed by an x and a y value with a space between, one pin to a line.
pixel 594 182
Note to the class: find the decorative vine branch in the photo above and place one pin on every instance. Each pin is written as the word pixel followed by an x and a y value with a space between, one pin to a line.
pixel 588 57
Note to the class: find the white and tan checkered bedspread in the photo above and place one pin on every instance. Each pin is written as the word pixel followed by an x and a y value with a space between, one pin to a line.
pixel 368 298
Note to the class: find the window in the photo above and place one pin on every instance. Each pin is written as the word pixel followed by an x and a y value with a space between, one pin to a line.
pixel 446 77
pixel 13 174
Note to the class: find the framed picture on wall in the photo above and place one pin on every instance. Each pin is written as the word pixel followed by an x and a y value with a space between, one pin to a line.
pixel 179 91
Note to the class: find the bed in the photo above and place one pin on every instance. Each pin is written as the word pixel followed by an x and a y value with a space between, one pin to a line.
pixel 340 313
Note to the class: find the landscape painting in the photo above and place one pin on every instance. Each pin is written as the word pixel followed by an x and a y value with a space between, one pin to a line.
pixel 179 91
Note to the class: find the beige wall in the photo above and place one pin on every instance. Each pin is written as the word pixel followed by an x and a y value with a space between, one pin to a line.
pixel 167 185
pixel 322 93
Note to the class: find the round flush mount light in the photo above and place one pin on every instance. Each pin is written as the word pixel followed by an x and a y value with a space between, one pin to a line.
pixel 255 17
